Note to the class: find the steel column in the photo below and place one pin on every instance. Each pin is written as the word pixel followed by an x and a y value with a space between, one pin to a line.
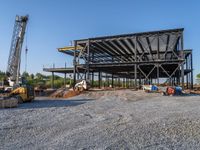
pixel 112 81
pixel 99 79
pixel 182 65
pixel 75 65
pixel 52 81
pixel 191 63
pixel 135 71
pixel 88 61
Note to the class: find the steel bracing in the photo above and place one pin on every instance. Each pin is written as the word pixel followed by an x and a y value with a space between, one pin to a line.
pixel 156 57
pixel 143 57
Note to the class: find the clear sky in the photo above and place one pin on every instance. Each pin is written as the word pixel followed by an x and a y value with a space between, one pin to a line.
pixel 54 23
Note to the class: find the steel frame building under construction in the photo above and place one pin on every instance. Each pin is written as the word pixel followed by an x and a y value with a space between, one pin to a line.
pixel 156 57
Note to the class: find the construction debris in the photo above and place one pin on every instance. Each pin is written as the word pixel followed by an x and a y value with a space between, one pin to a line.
pixel 167 90
pixel 170 91
pixel 150 88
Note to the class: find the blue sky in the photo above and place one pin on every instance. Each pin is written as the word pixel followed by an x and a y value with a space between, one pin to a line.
pixel 54 23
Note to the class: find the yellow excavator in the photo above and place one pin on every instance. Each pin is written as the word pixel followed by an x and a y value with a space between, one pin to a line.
pixel 17 88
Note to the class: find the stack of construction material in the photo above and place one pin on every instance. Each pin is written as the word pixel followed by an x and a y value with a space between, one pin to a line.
pixel 173 91
pixel 150 88
pixel 8 103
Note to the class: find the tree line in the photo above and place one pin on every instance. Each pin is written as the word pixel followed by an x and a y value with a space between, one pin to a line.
pixel 39 79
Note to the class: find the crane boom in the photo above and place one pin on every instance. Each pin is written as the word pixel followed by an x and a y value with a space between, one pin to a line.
pixel 14 60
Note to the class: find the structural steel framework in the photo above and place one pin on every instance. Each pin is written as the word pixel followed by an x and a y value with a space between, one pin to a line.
pixel 140 58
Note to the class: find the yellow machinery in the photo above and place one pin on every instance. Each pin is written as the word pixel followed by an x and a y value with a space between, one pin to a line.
pixel 23 94
pixel 18 89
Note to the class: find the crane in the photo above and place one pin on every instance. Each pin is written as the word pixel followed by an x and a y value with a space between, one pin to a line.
pixel 22 92
pixel 14 60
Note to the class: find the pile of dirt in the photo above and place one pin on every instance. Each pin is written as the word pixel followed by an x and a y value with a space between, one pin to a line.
pixel 71 94
pixel 64 93
pixel 58 93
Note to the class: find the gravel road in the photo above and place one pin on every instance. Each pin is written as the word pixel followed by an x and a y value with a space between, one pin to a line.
pixel 108 120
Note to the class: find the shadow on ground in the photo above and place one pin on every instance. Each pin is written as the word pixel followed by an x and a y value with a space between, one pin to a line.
pixel 52 103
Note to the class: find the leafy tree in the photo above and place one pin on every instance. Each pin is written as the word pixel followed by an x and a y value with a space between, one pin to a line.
pixel 25 74
pixel 39 79
pixel 198 78
pixel 39 76
pixel 2 75
pixel 32 76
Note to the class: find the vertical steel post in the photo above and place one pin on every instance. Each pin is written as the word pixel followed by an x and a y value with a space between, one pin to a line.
pixel 135 66
pixel 182 65
pixel 140 83
pixel 75 42
pixel 158 57
pixel 99 78
pixel 92 78
pixel 112 81
pixel 119 82
pixel 88 61
pixel 158 74
pixel 158 46
pixel 191 63
pixel 52 81
pixel 187 77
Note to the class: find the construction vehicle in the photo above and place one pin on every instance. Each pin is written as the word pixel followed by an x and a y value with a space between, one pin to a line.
pixel 18 87
pixel 82 85
pixel 24 93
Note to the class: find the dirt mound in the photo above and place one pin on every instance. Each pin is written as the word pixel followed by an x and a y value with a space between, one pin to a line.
pixel 58 93
pixel 70 94
pixel 64 93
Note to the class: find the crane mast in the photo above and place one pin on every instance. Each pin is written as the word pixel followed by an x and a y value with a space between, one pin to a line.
pixel 14 60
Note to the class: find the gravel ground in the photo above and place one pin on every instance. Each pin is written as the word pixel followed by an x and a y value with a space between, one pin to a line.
pixel 121 119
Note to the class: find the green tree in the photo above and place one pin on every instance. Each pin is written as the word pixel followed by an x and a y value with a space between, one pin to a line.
pixel 198 78
pixel 2 75
pixel 25 74
pixel 32 76
pixel 39 76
